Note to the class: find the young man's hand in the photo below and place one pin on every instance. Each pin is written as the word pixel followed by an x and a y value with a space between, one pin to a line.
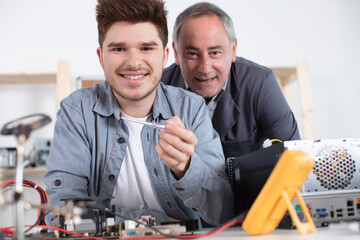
pixel 176 146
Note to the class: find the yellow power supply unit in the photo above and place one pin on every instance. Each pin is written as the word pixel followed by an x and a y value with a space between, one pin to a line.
pixel 279 190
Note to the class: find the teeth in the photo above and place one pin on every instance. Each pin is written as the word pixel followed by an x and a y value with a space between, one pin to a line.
pixel 206 80
pixel 134 77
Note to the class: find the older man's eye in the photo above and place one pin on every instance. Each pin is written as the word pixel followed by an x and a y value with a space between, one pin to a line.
pixel 215 53
pixel 191 54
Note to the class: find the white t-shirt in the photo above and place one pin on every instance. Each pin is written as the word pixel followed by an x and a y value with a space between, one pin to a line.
pixel 134 189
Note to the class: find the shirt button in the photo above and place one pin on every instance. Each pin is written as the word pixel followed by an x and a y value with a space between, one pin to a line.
pixel 121 140
pixel 179 189
pixel 111 177
pixel 57 182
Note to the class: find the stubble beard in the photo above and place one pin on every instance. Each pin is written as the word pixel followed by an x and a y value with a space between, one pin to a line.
pixel 130 97
pixel 136 98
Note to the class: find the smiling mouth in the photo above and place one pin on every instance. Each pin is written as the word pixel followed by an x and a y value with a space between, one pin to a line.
pixel 205 80
pixel 133 77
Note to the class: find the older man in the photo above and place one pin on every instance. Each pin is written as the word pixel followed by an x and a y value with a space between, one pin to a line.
pixel 243 98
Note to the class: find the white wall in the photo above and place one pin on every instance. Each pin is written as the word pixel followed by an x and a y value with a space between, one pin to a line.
pixel 36 34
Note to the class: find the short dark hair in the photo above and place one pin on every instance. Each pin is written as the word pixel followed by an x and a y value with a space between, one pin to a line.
pixel 203 9
pixel 134 11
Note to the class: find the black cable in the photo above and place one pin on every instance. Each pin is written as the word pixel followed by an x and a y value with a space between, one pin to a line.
pixel 40 219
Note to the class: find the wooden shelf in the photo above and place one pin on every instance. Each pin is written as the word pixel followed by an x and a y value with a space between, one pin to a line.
pixel 29 173
pixel 34 174
pixel 286 74
pixel 88 81
pixel 62 78
pixel 28 78
pixel 300 72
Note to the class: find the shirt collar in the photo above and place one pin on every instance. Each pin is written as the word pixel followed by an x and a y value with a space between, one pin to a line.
pixel 107 105
pixel 161 107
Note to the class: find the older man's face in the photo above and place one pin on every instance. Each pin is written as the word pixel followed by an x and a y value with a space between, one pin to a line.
pixel 204 53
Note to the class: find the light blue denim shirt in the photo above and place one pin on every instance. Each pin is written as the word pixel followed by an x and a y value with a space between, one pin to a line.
pixel 89 145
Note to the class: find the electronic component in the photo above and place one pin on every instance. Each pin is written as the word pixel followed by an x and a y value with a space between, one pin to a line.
pixel 8 157
pixel 140 231
pixel 101 223
pixel 191 225
pixel 248 174
pixel 40 152
pixel 89 217
pixel 332 189
pixel 327 207
pixel 279 190
pixel 77 216
pixel 337 164
pixel 333 183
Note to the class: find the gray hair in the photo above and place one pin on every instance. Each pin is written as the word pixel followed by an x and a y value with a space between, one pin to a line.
pixel 201 9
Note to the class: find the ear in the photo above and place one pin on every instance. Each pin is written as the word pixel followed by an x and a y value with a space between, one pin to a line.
pixel 99 53
pixel 234 46
pixel 166 56
pixel 175 54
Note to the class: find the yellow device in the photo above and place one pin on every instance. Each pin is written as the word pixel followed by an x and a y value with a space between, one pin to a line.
pixel 275 197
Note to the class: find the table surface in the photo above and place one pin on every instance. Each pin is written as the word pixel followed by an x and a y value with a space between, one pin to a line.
pixel 288 234
pixel 322 233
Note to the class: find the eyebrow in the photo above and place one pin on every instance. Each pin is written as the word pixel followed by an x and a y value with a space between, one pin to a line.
pixel 215 47
pixel 210 48
pixel 151 43
pixel 122 44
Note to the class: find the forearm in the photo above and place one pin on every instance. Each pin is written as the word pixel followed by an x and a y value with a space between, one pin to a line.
pixel 207 192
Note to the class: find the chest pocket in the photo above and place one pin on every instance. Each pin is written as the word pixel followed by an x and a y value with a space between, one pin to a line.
pixel 238 147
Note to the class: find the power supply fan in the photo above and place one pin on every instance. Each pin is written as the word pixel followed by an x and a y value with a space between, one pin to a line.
pixel 334 167
pixel 337 164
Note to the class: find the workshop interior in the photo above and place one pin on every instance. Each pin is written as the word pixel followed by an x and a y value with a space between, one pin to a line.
pixel 301 185
pixel 315 182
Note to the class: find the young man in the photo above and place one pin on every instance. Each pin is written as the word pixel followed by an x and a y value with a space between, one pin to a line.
pixel 243 98
pixel 95 153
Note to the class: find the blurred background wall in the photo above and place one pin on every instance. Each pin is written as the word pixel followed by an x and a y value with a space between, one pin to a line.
pixel 36 34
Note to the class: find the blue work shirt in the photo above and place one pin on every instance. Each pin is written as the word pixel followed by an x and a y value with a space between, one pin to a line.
pixel 89 146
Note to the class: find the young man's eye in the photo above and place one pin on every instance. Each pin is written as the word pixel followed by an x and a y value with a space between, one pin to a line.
pixel 147 48
pixel 118 49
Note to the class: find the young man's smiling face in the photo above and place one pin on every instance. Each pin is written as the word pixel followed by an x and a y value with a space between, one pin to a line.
pixel 133 58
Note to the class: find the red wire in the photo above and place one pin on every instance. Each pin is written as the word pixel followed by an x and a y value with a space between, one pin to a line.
pixel 43 195
pixel 7 230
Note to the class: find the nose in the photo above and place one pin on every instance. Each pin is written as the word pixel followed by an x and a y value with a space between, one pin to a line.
pixel 204 66
pixel 133 59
